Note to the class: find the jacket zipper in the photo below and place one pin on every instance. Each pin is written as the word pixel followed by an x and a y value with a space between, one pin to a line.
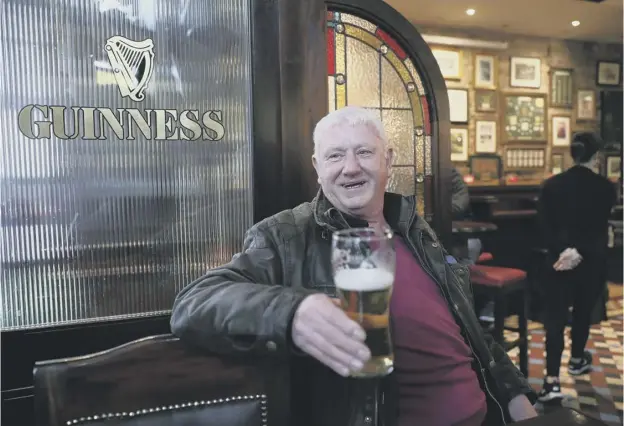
pixel 447 296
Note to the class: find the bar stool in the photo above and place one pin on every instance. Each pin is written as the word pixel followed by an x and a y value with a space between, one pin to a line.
pixel 498 283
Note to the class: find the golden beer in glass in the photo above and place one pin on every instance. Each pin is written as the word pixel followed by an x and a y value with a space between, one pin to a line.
pixel 363 262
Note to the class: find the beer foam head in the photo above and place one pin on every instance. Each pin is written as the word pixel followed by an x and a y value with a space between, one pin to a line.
pixel 363 279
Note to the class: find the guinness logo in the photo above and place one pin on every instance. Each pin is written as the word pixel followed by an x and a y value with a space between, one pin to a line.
pixel 133 63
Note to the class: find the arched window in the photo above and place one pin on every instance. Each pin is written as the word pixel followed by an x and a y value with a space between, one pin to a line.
pixel 367 67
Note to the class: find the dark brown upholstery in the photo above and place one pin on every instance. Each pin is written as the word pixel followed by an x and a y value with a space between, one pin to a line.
pixel 158 381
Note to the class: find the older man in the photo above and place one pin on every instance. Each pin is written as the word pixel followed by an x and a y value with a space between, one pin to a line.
pixel 275 298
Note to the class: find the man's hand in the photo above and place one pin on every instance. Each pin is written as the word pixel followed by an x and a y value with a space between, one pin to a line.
pixel 520 408
pixel 568 259
pixel 321 329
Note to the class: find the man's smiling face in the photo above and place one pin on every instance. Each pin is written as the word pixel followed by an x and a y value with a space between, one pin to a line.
pixel 353 165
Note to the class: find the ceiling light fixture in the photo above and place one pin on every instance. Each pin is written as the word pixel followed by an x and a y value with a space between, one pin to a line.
pixel 576 23
pixel 470 12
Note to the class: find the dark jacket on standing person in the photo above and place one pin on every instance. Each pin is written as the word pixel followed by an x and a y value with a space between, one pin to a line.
pixel 247 306
pixel 460 200
pixel 574 209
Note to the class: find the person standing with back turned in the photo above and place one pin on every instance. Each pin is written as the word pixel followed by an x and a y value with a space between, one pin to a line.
pixel 574 209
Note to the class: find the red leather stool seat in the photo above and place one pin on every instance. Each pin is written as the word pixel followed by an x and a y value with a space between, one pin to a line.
pixel 495 276
pixel 485 257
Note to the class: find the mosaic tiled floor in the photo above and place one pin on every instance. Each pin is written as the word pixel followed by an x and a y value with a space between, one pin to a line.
pixel 599 393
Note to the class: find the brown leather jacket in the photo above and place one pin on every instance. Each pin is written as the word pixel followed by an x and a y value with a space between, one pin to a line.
pixel 247 306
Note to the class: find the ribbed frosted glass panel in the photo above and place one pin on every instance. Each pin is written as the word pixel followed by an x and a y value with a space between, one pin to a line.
pixel 105 220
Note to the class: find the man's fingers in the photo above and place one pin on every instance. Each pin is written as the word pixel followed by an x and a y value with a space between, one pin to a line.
pixel 343 349
pixel 331 363
pixel 336 301
pixel 340 320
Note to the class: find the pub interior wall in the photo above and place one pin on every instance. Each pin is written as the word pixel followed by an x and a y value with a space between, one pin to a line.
pixel 580 56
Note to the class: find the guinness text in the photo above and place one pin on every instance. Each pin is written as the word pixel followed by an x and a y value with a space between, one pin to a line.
pixel 89 123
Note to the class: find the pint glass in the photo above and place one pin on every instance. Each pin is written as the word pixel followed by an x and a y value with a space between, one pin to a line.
pixel 363 262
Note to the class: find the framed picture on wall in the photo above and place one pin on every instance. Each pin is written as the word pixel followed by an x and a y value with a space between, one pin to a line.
pixel 459 144
pixel 486 100
pixel 525 118
pixel 560 128
pixel 526 72
pixel 608 73
pixel 485 71
pixel 561 88
pixel 614 167
pixel 556 164
pixel 485 141
pixel 524 158
pixel 458 103
pixel 487 169
pixel 586 105
pixel 450 62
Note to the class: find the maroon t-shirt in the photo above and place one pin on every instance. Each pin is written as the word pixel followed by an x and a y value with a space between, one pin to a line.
pixel 437 385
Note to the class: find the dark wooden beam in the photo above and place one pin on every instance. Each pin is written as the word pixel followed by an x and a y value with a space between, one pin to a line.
pixel 303 92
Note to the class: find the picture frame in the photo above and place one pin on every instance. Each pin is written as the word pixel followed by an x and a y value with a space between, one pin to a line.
pixel 486 138
pixel 459 144
pixel 486 100
pixel 450 62
pixel 561 88
pixel 608 73
pixel 520 157
pixel 560 130
pixel 487 169
pixel 458 105
pixel 525 72
pixel 586 105
pixel 485 71
pixel 525 117
pixel 556 163
pixel 614 167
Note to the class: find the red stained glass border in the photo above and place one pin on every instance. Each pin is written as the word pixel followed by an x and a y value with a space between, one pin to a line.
pixel 390 41
pixel 424 102
pixel 331 52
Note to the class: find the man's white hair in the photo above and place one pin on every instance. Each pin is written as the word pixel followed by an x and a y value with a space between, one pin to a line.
pixel 349 116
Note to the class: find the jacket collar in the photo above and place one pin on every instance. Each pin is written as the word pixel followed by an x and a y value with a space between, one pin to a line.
pixel 399 212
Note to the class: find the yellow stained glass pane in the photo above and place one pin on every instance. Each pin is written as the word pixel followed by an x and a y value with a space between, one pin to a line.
pixel 402 180
pixel 393 93
pixel 420 154
pixel 420 198
pixel 341 95
pixel 358 22
pixel 340 53
pixel 415 76
pixel 428 171
pixel 364 36
pixel 331 93
pixel 416 109
pixel 399 126
pixel 399 66
pixel 362 74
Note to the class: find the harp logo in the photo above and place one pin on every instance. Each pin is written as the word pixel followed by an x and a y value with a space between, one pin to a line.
pixel 132 63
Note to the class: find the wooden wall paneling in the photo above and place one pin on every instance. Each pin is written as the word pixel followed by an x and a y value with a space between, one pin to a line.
pixel 303 69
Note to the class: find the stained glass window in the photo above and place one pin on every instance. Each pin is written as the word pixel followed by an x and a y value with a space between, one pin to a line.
pixel 367 67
